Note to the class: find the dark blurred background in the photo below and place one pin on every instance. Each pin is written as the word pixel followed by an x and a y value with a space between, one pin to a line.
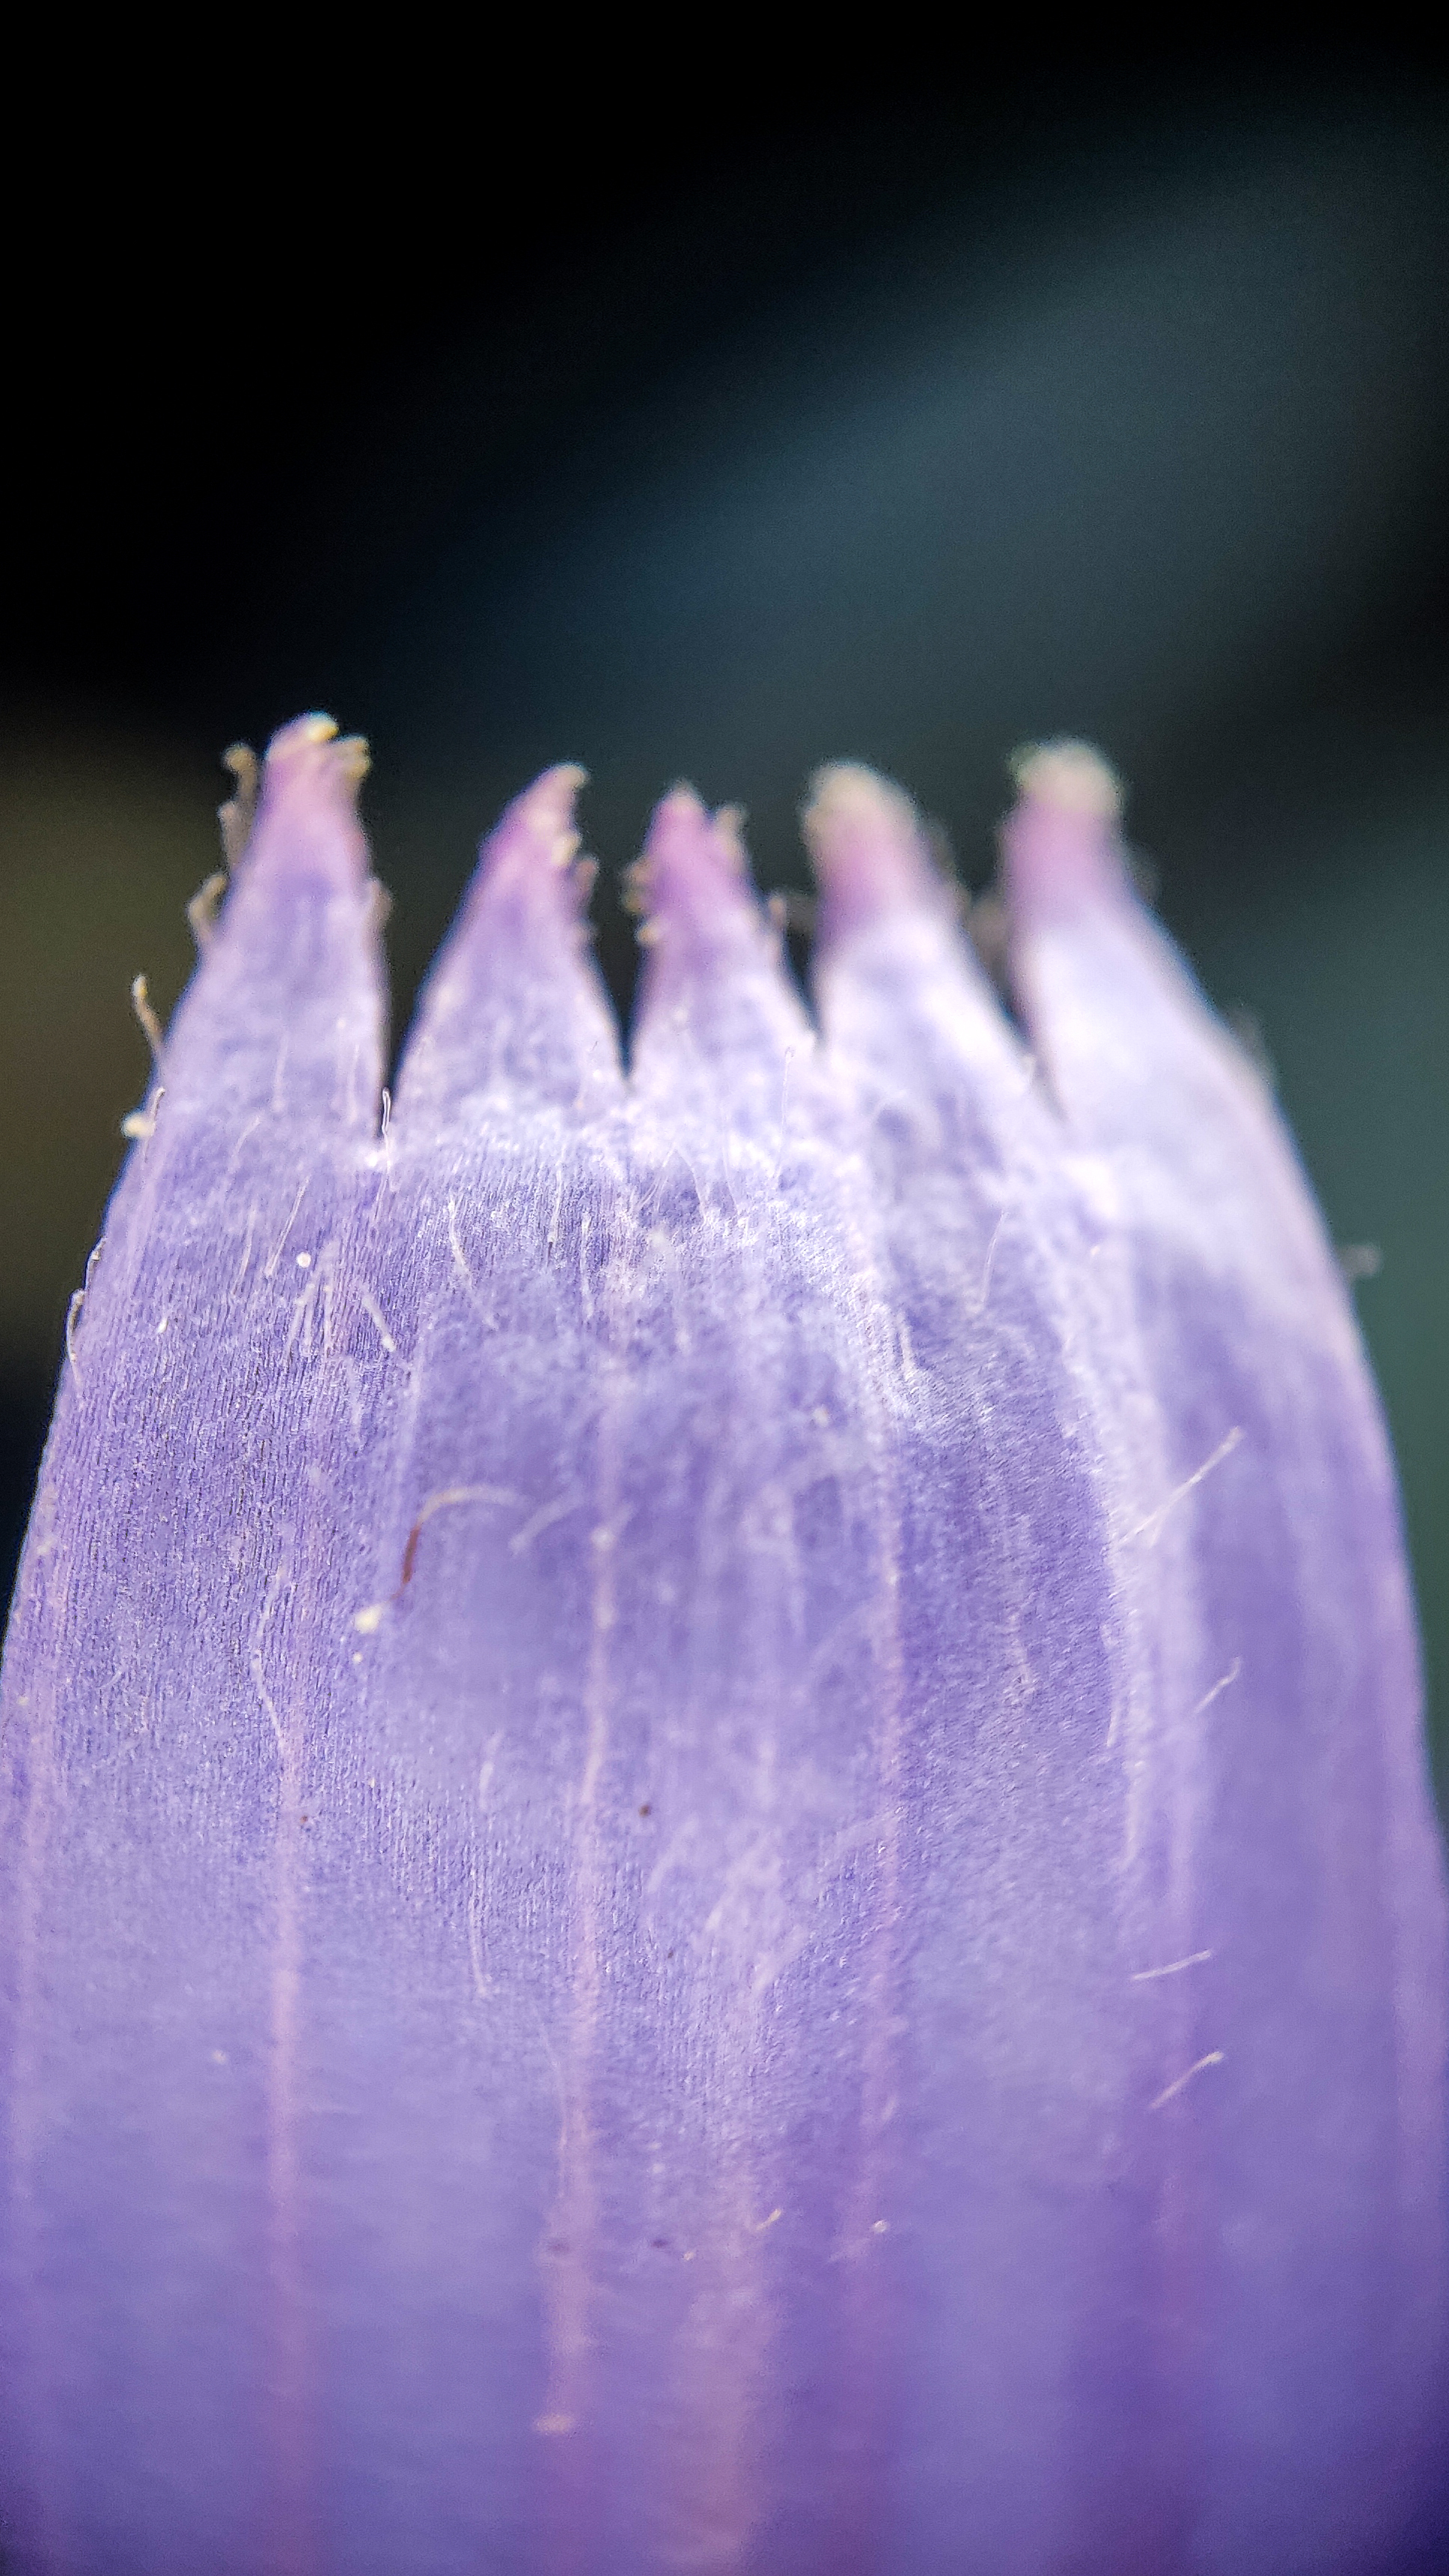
pixel 907 419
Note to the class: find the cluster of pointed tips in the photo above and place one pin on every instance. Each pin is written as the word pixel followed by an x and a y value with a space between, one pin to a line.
pixel 691 891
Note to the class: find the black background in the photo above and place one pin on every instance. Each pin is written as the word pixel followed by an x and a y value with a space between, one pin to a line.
pixel 716 426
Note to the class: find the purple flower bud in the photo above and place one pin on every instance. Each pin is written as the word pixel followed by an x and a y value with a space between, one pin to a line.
pixel 716 1843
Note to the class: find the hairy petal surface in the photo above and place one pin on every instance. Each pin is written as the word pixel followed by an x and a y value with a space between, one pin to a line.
pixel 687 1886
pixel 1038 2339
pixel 174 1661
pixel 469 1617
pixel 1293 1847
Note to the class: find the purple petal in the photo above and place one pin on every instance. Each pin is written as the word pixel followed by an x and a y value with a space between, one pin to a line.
pixel 638 1940
pixel 1287 1829
pixel 1034 2349
pixel 170 1653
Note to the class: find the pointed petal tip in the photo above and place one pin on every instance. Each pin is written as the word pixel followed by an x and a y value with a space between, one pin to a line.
pixel 549 803
pixel 529 870
pixel 682 824
pixel 1069 777
pixel 513 1002
pixel 694 869
pixel 306 824
pixel 312 748
pixel 848 791
pixel 537 833
pixel 1061 842
pixel 867 847
pixel 682 803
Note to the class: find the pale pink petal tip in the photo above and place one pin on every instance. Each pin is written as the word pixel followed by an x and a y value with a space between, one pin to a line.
pixel 538 832
pixel 867 848
pixel 307 822
pixel 694 874
pixel 529 867
pixel 1061 841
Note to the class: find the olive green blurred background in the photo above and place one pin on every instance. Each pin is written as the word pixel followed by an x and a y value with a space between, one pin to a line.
pixel 903 426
